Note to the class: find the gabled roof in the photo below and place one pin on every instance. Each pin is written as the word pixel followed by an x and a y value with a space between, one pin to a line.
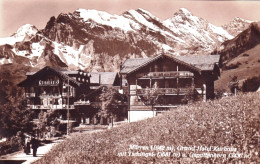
pixel 131 66
pixel 197 63
pixel 106 78
pixel 57 71
pixel 203 62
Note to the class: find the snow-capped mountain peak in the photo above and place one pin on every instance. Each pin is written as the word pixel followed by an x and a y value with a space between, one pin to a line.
pixel 196 31
pixel 26 31
pixel 237 25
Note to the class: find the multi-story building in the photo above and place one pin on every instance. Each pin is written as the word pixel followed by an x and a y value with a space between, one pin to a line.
pixel 174 79
pixel 55 89
pixel 62 90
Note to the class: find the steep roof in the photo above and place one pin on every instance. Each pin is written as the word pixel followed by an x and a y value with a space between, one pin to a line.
pixel 203 62
pixel 106 78
pixel 59 72
pixel 198 63
pixel 131 64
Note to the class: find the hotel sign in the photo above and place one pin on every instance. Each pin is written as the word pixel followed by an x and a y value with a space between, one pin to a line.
pixel 49 83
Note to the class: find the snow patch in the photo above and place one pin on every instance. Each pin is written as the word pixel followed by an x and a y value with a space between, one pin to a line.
pixel 9 40
pixel 105 18
pixel 220 31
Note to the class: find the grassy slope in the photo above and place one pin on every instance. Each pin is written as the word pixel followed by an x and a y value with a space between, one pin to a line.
pixel 232 121
pixel 250 66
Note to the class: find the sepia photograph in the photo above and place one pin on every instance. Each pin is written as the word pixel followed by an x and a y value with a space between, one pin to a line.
pixel 129 81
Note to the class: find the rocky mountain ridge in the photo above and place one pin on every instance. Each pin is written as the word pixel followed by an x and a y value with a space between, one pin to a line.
pixel 236 26
pixel 98 41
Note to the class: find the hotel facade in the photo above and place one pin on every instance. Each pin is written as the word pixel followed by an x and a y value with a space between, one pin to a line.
pixel 175 79
pixel 61 90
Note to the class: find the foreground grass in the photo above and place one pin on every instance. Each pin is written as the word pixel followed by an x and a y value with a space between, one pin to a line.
pixel 231 122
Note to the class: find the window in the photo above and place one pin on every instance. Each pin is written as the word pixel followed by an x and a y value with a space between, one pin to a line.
pixel 155 68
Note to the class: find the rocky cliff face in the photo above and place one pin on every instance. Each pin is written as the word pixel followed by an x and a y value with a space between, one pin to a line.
pixel 98 41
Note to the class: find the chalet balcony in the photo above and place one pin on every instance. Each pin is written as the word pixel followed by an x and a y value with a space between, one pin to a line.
pixel 65 94
pixel 82 103
pixel 50 95
pixel 166 91
pixel 51 106
pixel 170 74
pixel 29 94
pixel 94 104
pixel 87 103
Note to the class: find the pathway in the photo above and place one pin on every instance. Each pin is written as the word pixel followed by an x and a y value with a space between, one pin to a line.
pixel 21 158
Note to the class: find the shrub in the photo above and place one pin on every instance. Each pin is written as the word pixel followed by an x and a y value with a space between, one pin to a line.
pixel 233 84
pixel 232 66
pixel 47 124
pixel 13 144
pixel 251 84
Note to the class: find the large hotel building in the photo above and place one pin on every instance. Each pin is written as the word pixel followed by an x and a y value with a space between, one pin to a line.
pixel 77 91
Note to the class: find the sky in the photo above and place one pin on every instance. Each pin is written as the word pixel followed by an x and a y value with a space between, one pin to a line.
pixel 15 13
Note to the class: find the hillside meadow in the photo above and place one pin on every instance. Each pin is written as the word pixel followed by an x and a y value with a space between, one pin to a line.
pixel 220 131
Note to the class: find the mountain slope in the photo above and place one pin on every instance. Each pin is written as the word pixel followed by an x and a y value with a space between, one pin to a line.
pixel 240 57
pixel 244 41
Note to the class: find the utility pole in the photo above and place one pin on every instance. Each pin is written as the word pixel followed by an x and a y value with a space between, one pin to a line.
pixel 68 112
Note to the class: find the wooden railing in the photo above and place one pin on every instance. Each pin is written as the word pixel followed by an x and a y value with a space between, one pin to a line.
pixel 50 106
pixel 99 104
pixel 82 103
pixel 165 91
pixel 65 94
pixel 50 95
pixel 169 74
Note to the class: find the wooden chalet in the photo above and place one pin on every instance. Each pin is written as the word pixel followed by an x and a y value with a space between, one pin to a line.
pixel 55 89
pixel 175 77
pixel 61 90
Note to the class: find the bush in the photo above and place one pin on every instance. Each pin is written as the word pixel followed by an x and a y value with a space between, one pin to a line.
pixel 232 66
pixel 13 144
pixel 251 84
pixel 47 124
pixel 233 84
pixel 14 119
